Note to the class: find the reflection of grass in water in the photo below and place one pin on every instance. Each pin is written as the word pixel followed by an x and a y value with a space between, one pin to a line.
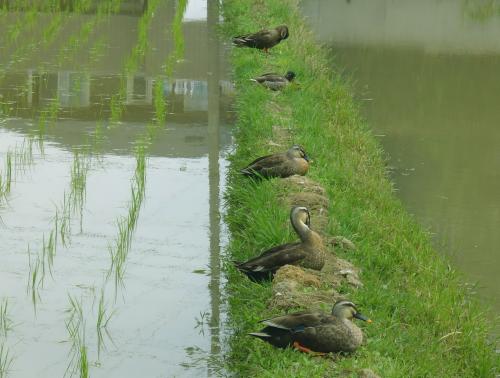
pixel 132 62
pixel 5 361
pixel 5 321
pixel 178 37
pixel 23 21
pixel 481 10
pixel 29 45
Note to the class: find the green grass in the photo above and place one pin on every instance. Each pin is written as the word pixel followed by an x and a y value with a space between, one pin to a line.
pixel 426 324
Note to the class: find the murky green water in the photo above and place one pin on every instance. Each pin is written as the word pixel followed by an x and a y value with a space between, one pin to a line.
pixel 425 74
pixel 114 124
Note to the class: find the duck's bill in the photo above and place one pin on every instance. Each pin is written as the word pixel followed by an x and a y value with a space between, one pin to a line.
pixel 307 158
pixel 360 316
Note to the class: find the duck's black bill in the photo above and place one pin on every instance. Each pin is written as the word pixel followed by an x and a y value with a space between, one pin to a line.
pixel 306 158
pixel 360 316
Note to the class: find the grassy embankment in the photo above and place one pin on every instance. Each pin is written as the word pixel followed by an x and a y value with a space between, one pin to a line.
pixel 425 322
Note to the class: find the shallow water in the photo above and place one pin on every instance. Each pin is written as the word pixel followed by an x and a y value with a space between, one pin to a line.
pixel 424 75
pixel 165 311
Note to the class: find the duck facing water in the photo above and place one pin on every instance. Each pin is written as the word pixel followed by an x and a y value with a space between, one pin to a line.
pixel 274 81
pixel 316 332
pixel 293 162
pixel 309 252
pixel 263 39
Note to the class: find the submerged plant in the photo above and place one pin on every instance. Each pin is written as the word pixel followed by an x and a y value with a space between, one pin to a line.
pixel 35 278
pixel 103 318
pixel 5 361
pixel 5 321
pixel 75 325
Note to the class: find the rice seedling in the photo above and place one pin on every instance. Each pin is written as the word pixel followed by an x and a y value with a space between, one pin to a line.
pixel 75 325
pixel 35 278
pixel 5 361
pixel 65 222
pixel 5 321
pixel 127 224
pixel 103 318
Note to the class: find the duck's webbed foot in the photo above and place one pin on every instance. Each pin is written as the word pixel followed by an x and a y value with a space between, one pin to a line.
pixel 304 349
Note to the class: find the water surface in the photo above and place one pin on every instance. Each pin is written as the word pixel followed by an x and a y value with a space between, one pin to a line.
pixel 57 94
pixel 425 74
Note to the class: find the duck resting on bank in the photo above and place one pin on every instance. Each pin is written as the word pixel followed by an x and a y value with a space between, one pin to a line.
pixel 263 39
pixel 273 81
pixel 292 162
pixel 309 252
pixel 316 332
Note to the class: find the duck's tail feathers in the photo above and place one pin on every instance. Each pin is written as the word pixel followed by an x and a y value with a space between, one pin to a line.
pixel 241 41
pixel 256 276
pixel 247 172
pixel 260 335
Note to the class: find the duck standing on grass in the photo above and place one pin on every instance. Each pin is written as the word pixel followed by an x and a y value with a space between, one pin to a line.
pixel 274 81
pixel 293 162
pixel 263 39
pixel 309 252
pixel 316 332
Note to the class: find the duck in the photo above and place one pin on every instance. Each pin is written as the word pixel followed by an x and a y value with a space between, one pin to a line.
pixel 273 81
pixel 263 39
pixel 317 333
pixel 309 252
pixel 292 162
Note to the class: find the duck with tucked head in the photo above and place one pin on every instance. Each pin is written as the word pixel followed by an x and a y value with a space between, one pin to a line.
pixel 273 81
pixel 316 332
pixel 263 39
pixel 292 162
pixel 310 252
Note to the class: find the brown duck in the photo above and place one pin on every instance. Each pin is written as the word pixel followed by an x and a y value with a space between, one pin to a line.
pixel 263 39
pixel 274 81
pixel 316 332
pixel 293 162
pixel 309 252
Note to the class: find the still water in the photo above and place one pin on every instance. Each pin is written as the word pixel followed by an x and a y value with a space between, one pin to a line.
pixel 62 74
pixel 426 76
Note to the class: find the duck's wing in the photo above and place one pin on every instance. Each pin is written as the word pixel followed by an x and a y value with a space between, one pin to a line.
pixel 272 259
pixel 296 322
pixel 260 39
pixel 269 77
pixel 262 165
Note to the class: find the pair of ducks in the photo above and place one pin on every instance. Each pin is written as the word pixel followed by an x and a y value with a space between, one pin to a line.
pixel 307 332
pixel 264 40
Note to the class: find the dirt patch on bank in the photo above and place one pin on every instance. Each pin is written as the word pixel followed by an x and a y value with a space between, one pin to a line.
pixel 294 286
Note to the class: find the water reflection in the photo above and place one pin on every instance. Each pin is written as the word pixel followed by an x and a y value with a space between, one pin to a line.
pixel 424 74
pixel 84 89
pixel 179 231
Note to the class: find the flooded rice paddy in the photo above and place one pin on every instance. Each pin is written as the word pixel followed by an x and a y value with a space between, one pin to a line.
pixel 114 123
pixel 424 75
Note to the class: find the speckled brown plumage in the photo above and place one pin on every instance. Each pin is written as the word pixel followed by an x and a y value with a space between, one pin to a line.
pixel 263 39
pixel 317 332
pixel 292 162
pixel 310 252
